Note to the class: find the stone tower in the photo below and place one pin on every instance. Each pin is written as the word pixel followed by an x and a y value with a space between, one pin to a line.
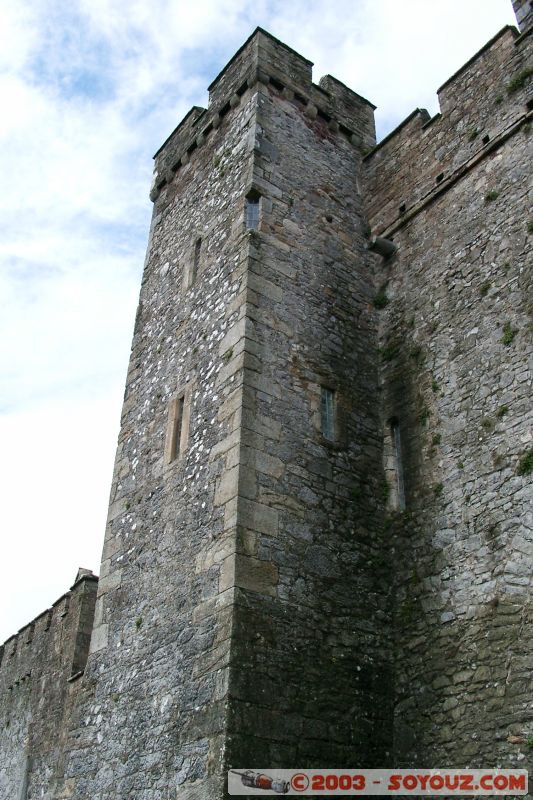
pixel 317 551
pixel 242 605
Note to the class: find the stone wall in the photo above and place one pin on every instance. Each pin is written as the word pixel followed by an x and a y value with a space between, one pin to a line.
pixel 455 336
pixel 40 669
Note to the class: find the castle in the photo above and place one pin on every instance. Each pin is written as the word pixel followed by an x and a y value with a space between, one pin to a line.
pixel 318 550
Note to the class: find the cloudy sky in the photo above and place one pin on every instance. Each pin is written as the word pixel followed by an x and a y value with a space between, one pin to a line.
pixel 89 89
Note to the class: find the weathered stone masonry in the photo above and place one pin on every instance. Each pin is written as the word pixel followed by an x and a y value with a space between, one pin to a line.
pixel 40 671
pixel 264 600
pixel 454 193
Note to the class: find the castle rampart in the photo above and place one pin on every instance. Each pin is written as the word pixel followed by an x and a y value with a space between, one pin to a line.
pixel 454 193
pixel 44 659
pixel 483 103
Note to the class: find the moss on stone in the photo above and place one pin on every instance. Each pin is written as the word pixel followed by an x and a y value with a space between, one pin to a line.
pixel 519 79
pixel 525 465
pixel 509 334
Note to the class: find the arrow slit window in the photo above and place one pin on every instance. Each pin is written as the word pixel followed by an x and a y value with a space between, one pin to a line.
pixel 176 440
pixel 394 466
pixel 327 413
pixel 252 211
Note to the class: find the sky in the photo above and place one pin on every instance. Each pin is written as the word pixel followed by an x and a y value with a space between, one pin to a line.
pixel 89 89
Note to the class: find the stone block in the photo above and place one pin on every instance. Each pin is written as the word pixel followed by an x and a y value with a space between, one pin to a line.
pixel 257 517
pixel 227 486
pixel 110 582
pixel 255 575
pixel 99 638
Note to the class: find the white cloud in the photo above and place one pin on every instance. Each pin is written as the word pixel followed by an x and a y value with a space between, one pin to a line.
pixel 55 484
pixel 90 89
pixel 18 34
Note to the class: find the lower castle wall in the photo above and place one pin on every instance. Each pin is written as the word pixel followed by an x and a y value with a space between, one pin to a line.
pixel 36 695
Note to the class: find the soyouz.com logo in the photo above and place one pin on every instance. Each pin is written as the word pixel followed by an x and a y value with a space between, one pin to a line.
pixel 434 782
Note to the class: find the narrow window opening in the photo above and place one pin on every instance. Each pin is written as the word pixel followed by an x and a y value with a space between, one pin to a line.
pixel 178 424
pixel 403 208
pixel 176 427
pixel 486 139
pixel 252 211
pixel 191 267
pixel 327 413
pixel 440 177
pixel 397 465
pixel 196 259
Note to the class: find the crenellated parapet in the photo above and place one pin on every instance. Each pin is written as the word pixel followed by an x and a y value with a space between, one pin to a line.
pixel 265 60
pixel 55 642
pixel 482 105
pixel 39 668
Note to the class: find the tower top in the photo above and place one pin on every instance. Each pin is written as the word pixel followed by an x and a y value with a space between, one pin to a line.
pixel 523 10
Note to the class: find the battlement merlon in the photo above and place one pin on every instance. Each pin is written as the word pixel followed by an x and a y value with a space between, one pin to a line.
pixel 523 10
pixel 260 51
pixel 265 59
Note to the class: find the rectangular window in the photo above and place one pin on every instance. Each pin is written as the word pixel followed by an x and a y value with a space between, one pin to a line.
pixel 398 466
pixel 327 413
pixel 192 264
pixel 175 428
pixel 196 261
pixel 252 213
pixel 178 424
